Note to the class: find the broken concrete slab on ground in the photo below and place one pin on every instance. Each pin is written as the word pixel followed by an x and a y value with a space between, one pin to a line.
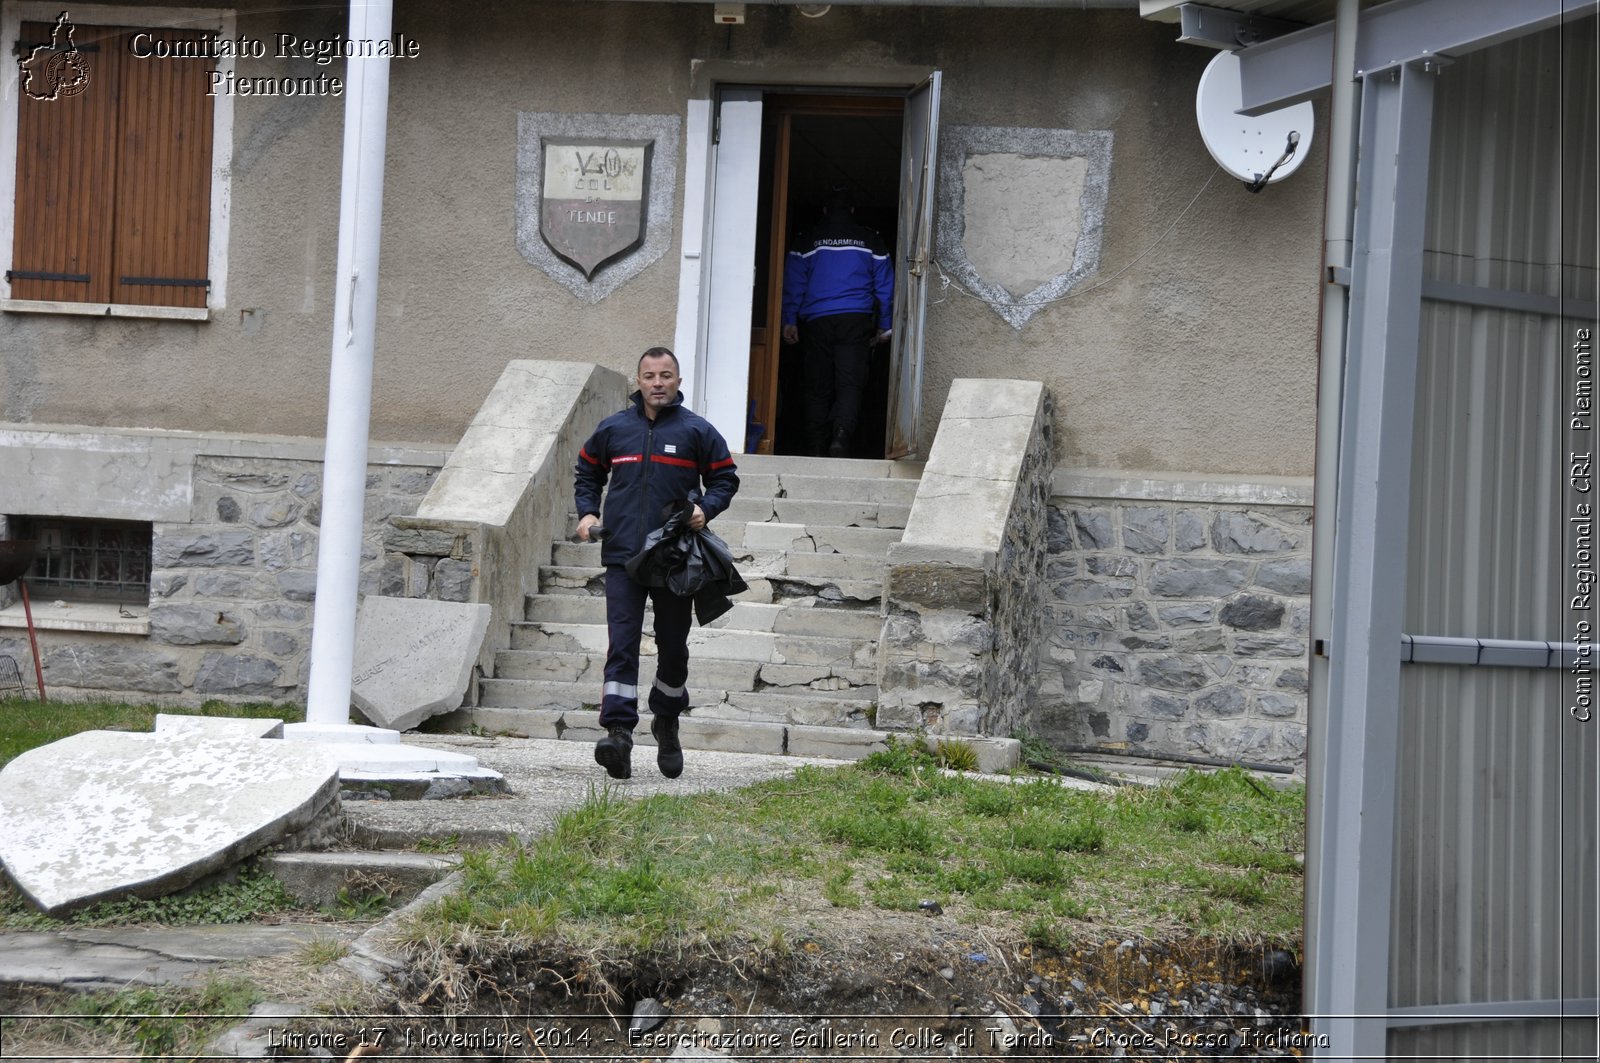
pixel 414 657
pixel 108 814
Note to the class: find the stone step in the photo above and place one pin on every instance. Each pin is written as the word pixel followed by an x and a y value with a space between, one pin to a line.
pixel 572 581
pixel 588 576
pixel 583 584
pixel 587 670
pixel 772 536
pixel 823 590
pixel 802 487
pixel 822 512
pixel 853 468
pixel 587 555
pixel 732 645
pixel 783 618
pixel 318 878
pixel 816 708
pixel 802 538
pixel 710 673
pixel 834 566
pixel 700 732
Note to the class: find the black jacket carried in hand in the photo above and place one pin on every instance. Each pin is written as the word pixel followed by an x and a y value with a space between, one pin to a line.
pixel 689 563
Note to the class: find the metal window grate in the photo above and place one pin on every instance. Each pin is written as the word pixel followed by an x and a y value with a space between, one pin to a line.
pixel 103 560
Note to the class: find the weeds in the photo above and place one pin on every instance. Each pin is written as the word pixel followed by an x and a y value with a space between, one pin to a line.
pixel 321 951
pixel 957 755
pixel 447 843
pixel 360 905
pixel 163 1022
pixel 253 894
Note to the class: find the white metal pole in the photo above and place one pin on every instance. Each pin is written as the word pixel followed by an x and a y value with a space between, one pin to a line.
pixel 355 310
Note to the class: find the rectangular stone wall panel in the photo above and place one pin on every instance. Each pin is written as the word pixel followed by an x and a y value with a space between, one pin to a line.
pixel 1176 627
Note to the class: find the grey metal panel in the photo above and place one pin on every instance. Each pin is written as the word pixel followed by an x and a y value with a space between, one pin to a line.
pixel 1548 1039
pixel 1485 543
pixel 1494 849
pixel 1515 129
pixel 1495 812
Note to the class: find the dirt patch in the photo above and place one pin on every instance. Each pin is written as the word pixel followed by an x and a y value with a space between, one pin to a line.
pixel 901 988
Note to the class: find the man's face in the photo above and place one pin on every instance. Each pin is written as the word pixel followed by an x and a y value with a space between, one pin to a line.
pixel 658 381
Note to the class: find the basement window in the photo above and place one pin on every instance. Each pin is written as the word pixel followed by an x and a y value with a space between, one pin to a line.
pixel 87 560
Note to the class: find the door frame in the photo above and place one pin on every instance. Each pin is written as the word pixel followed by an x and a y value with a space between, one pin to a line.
pixel 764 359
pixel 719 392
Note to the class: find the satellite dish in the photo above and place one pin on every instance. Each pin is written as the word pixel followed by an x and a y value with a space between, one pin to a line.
pixel 1258 151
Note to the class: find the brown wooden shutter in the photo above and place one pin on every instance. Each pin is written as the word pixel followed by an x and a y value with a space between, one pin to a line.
pixel 163 200
pixel 66 165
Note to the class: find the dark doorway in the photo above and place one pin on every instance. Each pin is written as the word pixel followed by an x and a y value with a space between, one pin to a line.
pixel 808 144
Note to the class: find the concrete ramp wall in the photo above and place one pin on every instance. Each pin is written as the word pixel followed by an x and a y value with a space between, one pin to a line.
pixel 489 520
pixel 963 632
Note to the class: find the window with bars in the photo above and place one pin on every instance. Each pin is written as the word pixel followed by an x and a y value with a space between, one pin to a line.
pixel 87 560
pixel 113 180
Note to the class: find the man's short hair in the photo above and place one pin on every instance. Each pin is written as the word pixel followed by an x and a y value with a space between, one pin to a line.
pixel 658 352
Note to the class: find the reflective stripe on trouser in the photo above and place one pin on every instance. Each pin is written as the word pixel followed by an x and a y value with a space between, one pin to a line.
pixel 619 704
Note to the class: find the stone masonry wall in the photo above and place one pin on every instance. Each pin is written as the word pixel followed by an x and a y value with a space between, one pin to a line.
pixel 1177 627
pixel 231 591
pixel 1017 594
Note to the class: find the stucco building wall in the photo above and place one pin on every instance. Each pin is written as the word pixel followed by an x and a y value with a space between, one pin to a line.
pixel 1191 348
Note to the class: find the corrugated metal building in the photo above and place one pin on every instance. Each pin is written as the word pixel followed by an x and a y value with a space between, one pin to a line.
pixel 1451 908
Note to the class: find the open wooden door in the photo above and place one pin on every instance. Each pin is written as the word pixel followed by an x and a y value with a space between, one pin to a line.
pixel 919 162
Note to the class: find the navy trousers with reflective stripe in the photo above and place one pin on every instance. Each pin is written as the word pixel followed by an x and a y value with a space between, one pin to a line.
pixel 669 696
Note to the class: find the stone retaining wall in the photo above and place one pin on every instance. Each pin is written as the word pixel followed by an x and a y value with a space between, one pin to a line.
pixel 1177 627
pixel 231 589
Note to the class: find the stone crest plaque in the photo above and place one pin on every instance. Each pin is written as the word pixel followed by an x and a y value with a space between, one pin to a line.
pixel 593 197
pixel 1022 213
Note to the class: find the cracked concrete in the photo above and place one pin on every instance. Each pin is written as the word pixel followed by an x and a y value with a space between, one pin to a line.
pixel 116 957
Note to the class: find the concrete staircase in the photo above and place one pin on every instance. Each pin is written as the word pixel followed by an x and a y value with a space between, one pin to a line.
pixel 792 668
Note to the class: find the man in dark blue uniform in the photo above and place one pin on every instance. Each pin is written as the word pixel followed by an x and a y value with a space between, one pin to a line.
pixel 838 303
pixel 657 453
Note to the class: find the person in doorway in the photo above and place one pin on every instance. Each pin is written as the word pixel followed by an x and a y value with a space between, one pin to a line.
pixel 656 453
pixel 838 301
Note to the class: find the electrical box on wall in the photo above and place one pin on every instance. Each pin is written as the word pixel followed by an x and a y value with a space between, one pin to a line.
pixel 728 14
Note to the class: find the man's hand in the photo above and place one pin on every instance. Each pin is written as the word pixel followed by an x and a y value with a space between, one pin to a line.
pixel 882 337
pixel 589 520
pixel 697 519
pixel 791 334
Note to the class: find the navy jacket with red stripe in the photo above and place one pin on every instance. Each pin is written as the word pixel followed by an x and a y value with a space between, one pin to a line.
pixel 650 464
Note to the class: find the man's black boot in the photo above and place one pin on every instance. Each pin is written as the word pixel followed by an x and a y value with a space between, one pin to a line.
pixel 669 751
pixel 614 752
pixel 840 447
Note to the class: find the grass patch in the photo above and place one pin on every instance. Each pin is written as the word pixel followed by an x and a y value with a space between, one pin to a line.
pixel 253 895
pixel 161 1022
pixel 895 833
pixel 27 724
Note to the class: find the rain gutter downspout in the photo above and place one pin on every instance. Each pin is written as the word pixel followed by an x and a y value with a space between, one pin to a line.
pixel 1338 221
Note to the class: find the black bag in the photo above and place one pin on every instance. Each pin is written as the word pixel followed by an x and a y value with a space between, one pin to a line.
pixel 688 563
